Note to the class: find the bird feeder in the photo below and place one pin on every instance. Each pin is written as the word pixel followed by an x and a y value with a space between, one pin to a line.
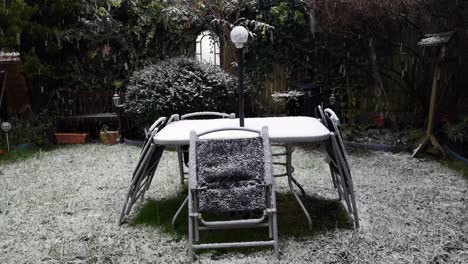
pixel 436 50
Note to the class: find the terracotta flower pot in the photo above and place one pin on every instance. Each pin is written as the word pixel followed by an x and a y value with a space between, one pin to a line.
pixel 109 137
pixel 379 122
pixel 70 138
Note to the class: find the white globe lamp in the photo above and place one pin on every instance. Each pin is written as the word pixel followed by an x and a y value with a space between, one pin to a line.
pixel 239 36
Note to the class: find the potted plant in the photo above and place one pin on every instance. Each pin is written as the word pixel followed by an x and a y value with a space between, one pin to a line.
pixel 109 137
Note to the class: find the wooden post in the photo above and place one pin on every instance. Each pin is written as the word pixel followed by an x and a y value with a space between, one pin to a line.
pixel 432 110
pixel 432 105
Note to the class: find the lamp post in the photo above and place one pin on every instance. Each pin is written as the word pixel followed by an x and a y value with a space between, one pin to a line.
pixel 6 127
pixel 332 99
pixel 117 100
pixel 239 36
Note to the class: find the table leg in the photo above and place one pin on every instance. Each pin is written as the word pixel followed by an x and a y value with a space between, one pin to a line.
pixel 181 163
pixel 290 183
pixel 174 219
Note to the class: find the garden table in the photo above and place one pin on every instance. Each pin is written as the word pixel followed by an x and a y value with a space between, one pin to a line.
pixel 285 130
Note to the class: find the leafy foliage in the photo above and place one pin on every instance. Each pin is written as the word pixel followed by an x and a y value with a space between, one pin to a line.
pixel 179 85
pixel 458 133
pixel 88 45
pixel 39 130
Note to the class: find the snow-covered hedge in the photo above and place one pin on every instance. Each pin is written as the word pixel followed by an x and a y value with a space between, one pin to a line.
pixel 179 85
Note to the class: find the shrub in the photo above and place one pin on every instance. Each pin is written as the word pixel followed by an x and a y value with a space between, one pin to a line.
pixel 457 133
pixel 38 130
pixel 179 85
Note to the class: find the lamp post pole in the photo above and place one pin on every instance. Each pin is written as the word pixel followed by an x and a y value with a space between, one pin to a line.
pixel 117 99
pixel 240 36
pixel 119 113
pixel 240 68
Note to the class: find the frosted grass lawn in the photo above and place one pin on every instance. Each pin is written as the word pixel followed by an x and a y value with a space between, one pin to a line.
pixel 62 207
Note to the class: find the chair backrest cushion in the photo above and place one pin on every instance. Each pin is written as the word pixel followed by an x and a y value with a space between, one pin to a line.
pixel 230 175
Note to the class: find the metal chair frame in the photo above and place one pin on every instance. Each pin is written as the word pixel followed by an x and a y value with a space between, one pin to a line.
pixel 145 169
pixel 195 218
pixel 339 165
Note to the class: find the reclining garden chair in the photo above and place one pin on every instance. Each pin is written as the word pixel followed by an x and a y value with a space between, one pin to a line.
pixel 229 176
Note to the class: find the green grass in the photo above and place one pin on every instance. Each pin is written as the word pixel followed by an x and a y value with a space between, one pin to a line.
pixel 17 154
pixel 327 215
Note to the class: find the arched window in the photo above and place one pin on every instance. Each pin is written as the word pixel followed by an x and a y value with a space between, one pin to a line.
pixel 207 48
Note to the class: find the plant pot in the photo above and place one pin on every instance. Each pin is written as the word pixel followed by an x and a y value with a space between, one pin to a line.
pixel 379 121
pixel 70 138
pixel 109 137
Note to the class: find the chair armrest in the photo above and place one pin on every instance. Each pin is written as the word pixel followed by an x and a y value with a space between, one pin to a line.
pixel 267 156
pixel 228 129
pixel 174 117
pixel 224 115
pixel 333 116
pixel 192 161
pixel 155 126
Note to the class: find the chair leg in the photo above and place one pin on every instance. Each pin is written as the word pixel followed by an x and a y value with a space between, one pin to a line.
pixel 298 186
pixel 347 183
pixel 270 229
pixel 181 164
pixel 174 219
pixel 335 184
pixel 196 222
pixel 291 187
pixel 275 235
pixel 190 229
pixel 190 241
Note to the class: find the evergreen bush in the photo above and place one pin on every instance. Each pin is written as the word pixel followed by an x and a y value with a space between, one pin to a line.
pixel 179 85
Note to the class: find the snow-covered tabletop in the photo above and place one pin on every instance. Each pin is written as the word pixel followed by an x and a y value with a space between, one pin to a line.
pixel 281 129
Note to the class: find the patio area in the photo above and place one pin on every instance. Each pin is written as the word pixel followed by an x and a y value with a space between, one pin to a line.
pixel 61 207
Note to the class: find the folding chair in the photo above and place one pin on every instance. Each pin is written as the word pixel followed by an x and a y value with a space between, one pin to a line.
pixel 182 151
pixel 339 165
pixel 145 169
pixel 231 175
pixel 320 114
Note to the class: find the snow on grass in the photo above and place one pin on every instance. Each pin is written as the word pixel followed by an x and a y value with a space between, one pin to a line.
pixel 62 207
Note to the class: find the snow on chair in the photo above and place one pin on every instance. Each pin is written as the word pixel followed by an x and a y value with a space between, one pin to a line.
pixel 182 151
pixel 230 174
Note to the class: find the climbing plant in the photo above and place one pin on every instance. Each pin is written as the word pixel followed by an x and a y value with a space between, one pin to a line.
pixel 89 45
